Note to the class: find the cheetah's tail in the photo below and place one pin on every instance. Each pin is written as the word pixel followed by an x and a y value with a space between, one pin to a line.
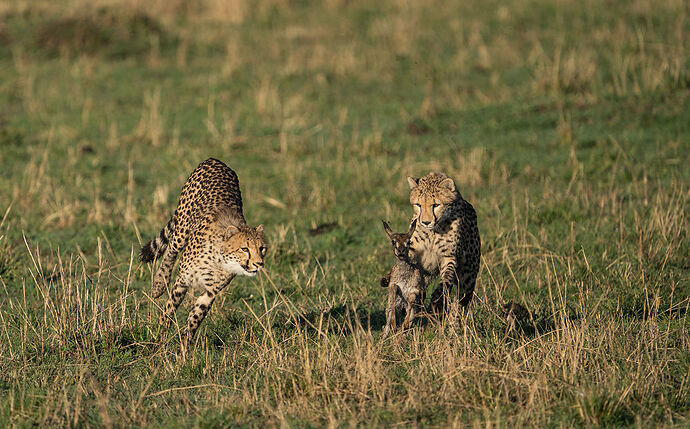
pixel 154 248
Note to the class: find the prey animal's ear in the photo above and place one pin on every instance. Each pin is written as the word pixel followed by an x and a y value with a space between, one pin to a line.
pixel 387 228
pixel 260 228
pixel 448 184
pixel 413 225
pixel 413 182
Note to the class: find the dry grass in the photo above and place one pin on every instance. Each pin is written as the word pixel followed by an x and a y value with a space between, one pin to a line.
pixel 565 124
pixel 321 362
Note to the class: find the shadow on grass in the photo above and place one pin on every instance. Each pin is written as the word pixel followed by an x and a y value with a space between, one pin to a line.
pixel 343 320
pixel 340 319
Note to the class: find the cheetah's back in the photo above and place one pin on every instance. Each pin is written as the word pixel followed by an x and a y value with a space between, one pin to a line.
pixel 212 188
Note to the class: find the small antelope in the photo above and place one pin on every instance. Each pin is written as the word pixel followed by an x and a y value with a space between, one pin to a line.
pixel 406 281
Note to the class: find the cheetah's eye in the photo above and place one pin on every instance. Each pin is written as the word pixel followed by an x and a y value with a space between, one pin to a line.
pixel 418 206
pixel 245 250
pixel 433 206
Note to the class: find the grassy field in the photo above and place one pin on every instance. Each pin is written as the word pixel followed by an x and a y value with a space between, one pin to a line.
pixel 566 124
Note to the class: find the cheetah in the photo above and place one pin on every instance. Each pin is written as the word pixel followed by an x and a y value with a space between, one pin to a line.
pixel 406 282
pixel 446 241
pixel 209 228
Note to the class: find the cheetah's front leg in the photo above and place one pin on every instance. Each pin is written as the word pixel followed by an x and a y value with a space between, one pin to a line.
pixel 198 313
pixel 196 316
pixel 441 295
pixel 466 281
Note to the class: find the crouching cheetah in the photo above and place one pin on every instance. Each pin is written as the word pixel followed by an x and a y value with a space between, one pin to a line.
pixel 446 240
pixel 406 282
pixel 209 228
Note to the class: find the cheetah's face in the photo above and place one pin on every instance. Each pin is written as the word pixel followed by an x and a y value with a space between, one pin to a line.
pixel 430 197
pixel 243 250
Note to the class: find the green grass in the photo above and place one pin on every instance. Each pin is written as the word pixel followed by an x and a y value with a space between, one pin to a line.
pixel 566 124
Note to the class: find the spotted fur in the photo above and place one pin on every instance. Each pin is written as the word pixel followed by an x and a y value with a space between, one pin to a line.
pixel 209 228
pixel 446 240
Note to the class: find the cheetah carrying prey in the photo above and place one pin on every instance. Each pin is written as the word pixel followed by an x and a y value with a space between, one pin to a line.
pixel 446 240
pixel 209 228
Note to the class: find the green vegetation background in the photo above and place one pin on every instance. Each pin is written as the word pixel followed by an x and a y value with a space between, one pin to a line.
pixel 565 123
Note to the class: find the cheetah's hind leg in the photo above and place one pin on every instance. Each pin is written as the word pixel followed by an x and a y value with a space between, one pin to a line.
pixel 439 300
pixel 174 300
pixel 161 279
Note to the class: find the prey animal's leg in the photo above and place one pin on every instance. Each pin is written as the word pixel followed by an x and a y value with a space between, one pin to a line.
pixel 421 298
pixel 390 310
pixel 411 307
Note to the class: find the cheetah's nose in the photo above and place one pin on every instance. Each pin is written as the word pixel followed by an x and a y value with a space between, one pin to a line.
pixel 426 222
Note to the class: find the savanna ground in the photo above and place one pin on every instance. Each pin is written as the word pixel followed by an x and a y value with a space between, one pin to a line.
pixel 566 124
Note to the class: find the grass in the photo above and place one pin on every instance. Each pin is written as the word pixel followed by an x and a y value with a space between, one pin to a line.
pixel 564 123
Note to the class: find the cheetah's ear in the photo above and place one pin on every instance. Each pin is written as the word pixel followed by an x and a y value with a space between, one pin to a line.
pixel 448 184
pixel 387 228
pixel 413 182
pixel 260 228
pixel 230 231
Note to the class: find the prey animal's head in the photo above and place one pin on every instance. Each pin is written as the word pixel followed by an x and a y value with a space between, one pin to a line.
pixel 400 240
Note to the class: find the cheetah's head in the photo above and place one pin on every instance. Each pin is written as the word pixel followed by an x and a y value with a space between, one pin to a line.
pixel 430 196
pixel 243 250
